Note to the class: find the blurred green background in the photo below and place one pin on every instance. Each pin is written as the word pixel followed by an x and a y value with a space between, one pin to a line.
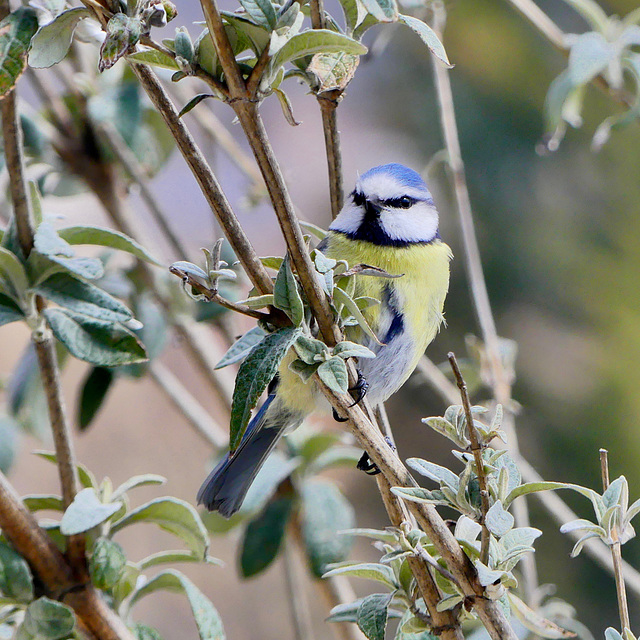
pixel 559 237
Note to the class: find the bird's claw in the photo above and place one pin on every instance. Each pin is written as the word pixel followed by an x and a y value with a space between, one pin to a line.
pixel 371 468
pixel 360 388
pixel 337 417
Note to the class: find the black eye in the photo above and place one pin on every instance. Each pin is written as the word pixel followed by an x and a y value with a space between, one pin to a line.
pixel 405 202
pixel 358 198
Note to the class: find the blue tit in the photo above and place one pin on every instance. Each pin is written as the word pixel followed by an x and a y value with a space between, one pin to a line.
pixel 390 221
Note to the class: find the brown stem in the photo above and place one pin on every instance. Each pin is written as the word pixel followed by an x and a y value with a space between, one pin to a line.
pixel 476 449
pixel 206 179
pixel 616 552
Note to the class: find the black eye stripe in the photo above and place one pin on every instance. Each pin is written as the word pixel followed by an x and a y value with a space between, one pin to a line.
pixel 358 198
pixel 399 203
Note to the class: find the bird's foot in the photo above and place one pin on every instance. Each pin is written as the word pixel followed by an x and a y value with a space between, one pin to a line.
pixel 337 417
pixel 360 389
pixel 371 468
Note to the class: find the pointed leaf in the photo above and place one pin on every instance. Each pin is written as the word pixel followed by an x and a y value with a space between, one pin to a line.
pixel 9 310
pixel 382 10
pixel 534 622
pixel 107 563
pixel 255 374
pixel 96 341
pixel 346 349
pixel 15 576
pixel 372 615
pixel 16 31
pixel 428 36
pixel 334 374
pixel 143 480
pixel 341 297
pixel 155 59
pixel 85 512
pixel 12 272
pixel 499 521
pixel 52 41
pixel 286 295
pixel 94 391
pixel 533 487
pixel 369 570
pixel 165 557
pixel 434 472
pixel 262 12
pixel 195 101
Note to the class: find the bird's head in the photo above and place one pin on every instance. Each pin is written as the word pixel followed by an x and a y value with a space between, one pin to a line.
pixel 390 206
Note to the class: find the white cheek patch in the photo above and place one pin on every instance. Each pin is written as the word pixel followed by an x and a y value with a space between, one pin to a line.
pixel 349 219
pixel 419 223
pixel 383 186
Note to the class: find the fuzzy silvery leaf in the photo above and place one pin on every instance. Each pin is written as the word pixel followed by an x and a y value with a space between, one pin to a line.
pixel 346 349
pixel 155 59
pixel 434 472
pixel 532 487
pixel 13 277
pixel 16 31
pixel 262 12
pixel 183 45
pixel 313 229
pixel 325 512
pixel 241 348
pixel 85 476
pixel 535 622
pixel 372 615
pixel 47 619
pixel 171 557
pixel 304 370
pixel 389 535
pixel 428 36
pixel 582 525
pixel 467 529
pixel 487 576
pixel 369 570
pixel 143 480
pixel 255 374
pixel 107 563
pixel 123 33
pixel 418 494
pixel 16 581
pixel 9 310
pixel 343 298
pixel 589 56
pixel 258 36
pixel 333 372
pixel 449 602
pixel 498 521
pixel 382 10
pixel 43 502
pixel 85 512
pixel 333 71
pixel 448 430
pixel 205 614
pixel 617 493
pixel 52 41
pixel 285 293
pixel 258 302
pixel 173 515
pixel 310 350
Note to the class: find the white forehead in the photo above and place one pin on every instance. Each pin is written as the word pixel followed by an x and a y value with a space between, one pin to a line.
pixel 386 186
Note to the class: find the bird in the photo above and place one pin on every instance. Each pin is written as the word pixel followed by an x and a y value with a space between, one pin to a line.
pixel 389 221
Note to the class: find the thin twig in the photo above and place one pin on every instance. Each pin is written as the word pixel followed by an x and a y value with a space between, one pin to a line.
pixel 476 449
pixel 616 552
pixel 197 416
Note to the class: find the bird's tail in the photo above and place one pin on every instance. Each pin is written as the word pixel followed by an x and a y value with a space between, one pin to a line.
pixel 227 485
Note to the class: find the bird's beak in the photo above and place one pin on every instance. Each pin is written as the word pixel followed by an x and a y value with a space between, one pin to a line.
pixel 372 208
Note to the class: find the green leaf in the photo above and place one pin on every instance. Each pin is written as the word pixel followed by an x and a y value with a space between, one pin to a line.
pixel 142 480
pixel 13 277
pixel 334 374
pixel 533 487
pixel 259 37
pixel 589 56
pixel 46 619
pixel 94 391
pixel 498 520
pixel 325 512
pixel 173 515
pixel 310 350
pixel 333 71
pixel 342 297
pixel 83 298
pixel 313 229
pixel 84 234
pixel 255 374
pixel 145 632
pixel 371 571
pixel 315 41
pixel 84 475
pixel 15 576
pixel 428 36
pixel 207 618
pixel 85 512
pixel 346 349
pixel 52 41
pixel 263 537
pixel 9 428
pixel 196 100
pixel 286 295
pixel 16 31
pixel 535 622
pixel 382 10
pixel 372 615
pixel 123 33
pixel 9 310
pixel 165 557
pixel 107 563
pixel 241 348
pixel 155 59
pixel 434 472
pixel 96 341
pixel 262 12
pixel 42 502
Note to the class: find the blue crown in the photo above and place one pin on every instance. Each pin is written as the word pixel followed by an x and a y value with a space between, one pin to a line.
pixel 402 174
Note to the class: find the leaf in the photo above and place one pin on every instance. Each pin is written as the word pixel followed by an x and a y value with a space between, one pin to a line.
pixel 85 512
pixel 487 576
pixel 107 563
pixel 369 570
pixel 255 374
pixel 241 348
pixel 15 576
pixel 83 298
pixel 164 557
pixel 142 480
pixel 94 391
pixel 96 341
pixel 196 100
pixel 9 428
pixel 589 56
pixel 16 31
pixel 498 520
pixel 325 512
pixel 286 106
pixel 286 295
pixel 207 618
pixel 334 374
pixel 155 59
pixel 84 475
pixel 52 41
pixel 434 472
pixel 533 487
pixel 313 229
pixel 262 12
pixel 264 536
pixel 346 349
pixel 259 37
pixel 428 36
pixel 85 234
pixel 333 71
pixel 43 503
pixel 173 515
pixel 145 632
pixel 417 494
pixel 13 274
pixel 372 615
pixel 534 622
pixel 46 619
pixel 123 32
pixel 9 310
pixel 315 41
pixel 341 297
pixel 382 10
